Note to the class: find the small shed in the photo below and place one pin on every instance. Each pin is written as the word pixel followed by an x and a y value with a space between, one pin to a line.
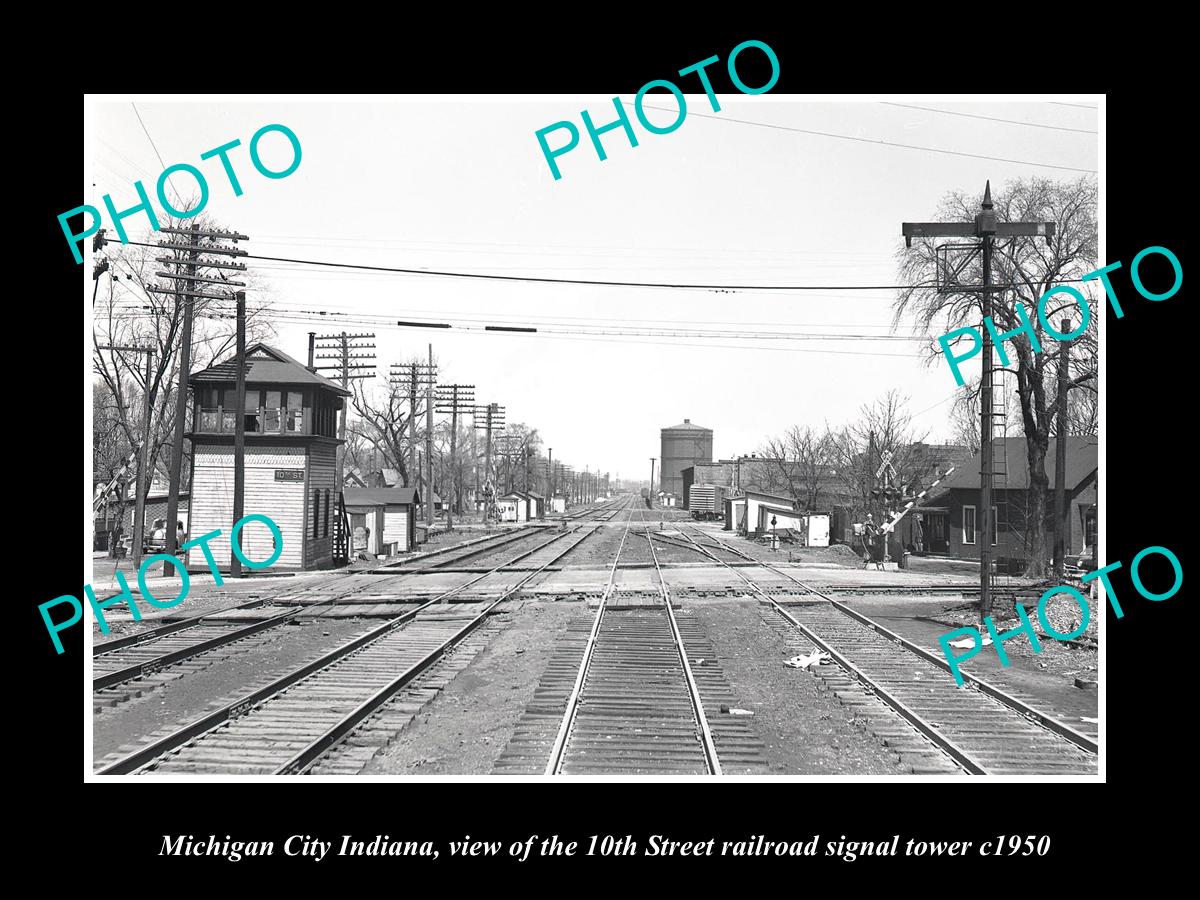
pixel 366 514
pixel 513 507
pixel 389 513
pixel 537 505
pixel 761 506
pixel 735 514
pixel 558 503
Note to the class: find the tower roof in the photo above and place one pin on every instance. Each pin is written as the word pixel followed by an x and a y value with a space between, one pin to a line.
pixel 266 365
pixel 686 425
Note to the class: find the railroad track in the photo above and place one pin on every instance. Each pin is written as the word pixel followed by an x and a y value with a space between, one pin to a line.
pixel 621 695
pixel 287 726
pixel 985 730
pixel 150 655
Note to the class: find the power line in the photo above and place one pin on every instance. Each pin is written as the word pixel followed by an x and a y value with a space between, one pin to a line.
pixel 598 283
pixel 642 248
pixel 647 342
pixel 530 325
pixel 947 112
pixel 1076 105
pixel 424 314
pixel 879 141
pixel 155 146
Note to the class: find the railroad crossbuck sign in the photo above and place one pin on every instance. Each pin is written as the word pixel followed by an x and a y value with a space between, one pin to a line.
pixel 886 456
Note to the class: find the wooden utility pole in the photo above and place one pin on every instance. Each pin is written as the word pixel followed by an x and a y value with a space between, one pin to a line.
pixel 493 416
pixel 186 290
pixel 650 493
pixel 414 375
pixel 239 431
pixel 1061 518
pixel 429 444
pixel 455 398
pixel 413 477
pixel 349 366
pixel 986 229
pixel 181 401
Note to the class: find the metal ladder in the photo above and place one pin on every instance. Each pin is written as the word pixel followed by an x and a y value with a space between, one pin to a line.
pixel 1002 523
pixel 341 534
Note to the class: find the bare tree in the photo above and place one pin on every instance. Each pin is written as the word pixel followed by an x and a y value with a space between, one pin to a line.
pixel 856 451
pixel 129 314
pixel 965 414
pixel 798 461
pixel 383 422
pixel 1025 269
pixel 523 443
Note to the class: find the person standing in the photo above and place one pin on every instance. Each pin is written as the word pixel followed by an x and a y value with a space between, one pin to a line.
pixel 870 537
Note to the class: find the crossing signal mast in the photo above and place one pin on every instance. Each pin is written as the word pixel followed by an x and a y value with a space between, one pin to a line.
pixel 985 230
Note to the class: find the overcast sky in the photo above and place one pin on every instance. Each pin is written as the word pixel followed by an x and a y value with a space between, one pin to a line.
pixel 454 185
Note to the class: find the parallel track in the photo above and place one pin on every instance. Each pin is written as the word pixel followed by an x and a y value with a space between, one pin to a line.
pixel 631 702
pixel 150 652
pixel 984 729
pixel 286 726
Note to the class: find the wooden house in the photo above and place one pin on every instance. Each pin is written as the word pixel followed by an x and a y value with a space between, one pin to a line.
pixel 949 520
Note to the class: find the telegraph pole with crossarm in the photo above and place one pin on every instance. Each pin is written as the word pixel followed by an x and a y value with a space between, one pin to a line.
pixel 493 416
pixel 414 375
pixel 350 365
pixel 190 285
pixel 454 398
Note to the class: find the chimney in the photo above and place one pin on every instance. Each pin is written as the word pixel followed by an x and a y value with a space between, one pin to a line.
pixel 687 421
pixel 312 340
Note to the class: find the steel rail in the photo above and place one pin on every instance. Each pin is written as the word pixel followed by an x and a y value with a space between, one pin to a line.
pixel 158 631
pixel 306 758
pixel 441 551
pixel 500 540
pixel 149 667
pixel 706 738
pixel 182 624
pixel 957 753
pixel 262 600
pixel 557 750
pixel 1047 721
pixel 244 703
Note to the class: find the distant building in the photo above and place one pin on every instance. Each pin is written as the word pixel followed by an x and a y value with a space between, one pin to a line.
pixel 683 446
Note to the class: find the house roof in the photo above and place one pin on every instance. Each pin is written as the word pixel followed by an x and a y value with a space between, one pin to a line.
pixel 265 365
pixel 1081 463
pixel 788 500
pixel 374 496
pixel 535 495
